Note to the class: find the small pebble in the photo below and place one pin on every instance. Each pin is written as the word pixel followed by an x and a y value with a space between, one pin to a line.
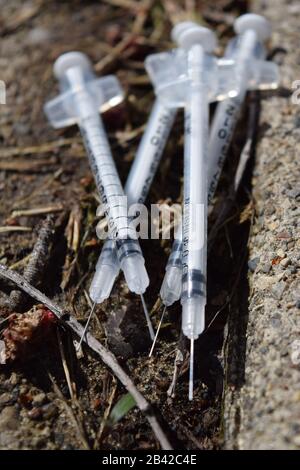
pixel 35 413
pixel 39 399
pixel 37 36
pixel 23 390
pixel 14 379
pixel 285 262
pixel 278 289
pixel 265 268
pixel 7 385
pixel 285 235
pixel 5 398
pixel 9 419
pixel 297 440
pixel 269 210
pixel 49 411
pixel 294 193
pixel 252 263
pixel 281 253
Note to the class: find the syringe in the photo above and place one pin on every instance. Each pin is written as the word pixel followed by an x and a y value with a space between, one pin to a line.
pixel 165 79
pixel 248 70
pixel 250 74
pixel 190 77
pixel 265 76
pixel 82 95
pixel 252 31
pixel 222 129
pixel 197 41
pixel 137 186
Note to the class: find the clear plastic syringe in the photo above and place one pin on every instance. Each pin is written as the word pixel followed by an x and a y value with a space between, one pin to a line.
pixel 137 186
pixel 248 71
pixel 197 41
pixel 82 95
pixel 252 31
pixel 190 77
pixel 222 129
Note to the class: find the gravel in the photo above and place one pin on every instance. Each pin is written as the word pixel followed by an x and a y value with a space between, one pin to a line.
pixel 262 400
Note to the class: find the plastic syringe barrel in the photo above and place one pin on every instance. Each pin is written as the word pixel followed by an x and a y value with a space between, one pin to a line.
pixel 221 133
pixel 137 187
pixel 194 254
pixel 149 152
pixel 108 183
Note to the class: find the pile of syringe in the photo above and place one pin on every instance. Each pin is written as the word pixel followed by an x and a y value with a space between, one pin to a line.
pixel 188 77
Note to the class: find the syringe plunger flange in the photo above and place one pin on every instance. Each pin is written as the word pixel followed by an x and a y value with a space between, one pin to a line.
pixel 75 74
pixel 168 72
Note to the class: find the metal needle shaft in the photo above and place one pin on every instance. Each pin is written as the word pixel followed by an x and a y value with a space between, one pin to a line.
pixel 149 324
pixel 157 331
pixel 191 378
pixel 86 325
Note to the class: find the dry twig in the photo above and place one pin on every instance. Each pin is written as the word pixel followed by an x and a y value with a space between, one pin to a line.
pixel 106 356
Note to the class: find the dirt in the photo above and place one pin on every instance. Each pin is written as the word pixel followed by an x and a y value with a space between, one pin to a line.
pixel 42 167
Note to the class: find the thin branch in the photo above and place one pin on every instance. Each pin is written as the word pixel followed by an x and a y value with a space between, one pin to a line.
pixel 106 356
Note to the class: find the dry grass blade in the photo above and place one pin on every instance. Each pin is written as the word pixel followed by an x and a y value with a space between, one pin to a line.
pixel 14 228
pixel 65 364
pixel 22 262
pixel 174 12
pixel 24 14
pixel 106 415
pixel 37 211
pixel 73 240
pixel 140 18
pixel 38 149
pixel 77 425
pixel 24 165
